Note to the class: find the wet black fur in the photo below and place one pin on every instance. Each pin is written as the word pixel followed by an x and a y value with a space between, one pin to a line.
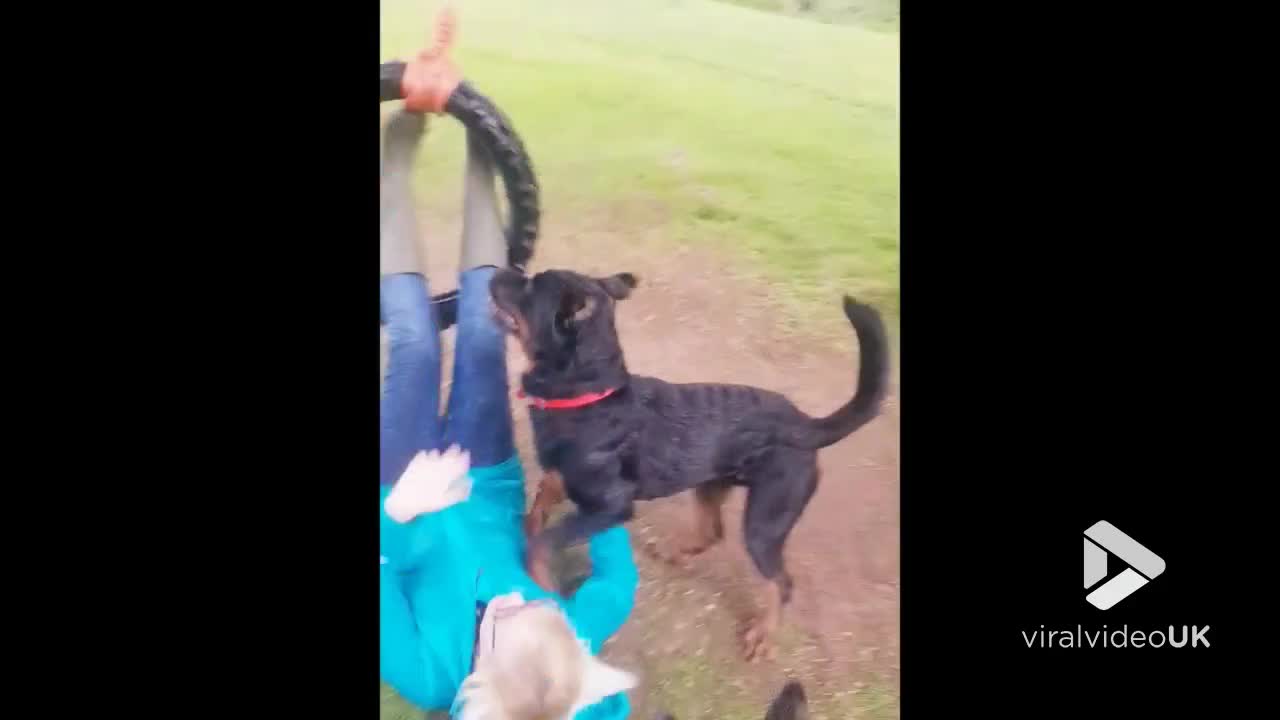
pixel 651 438
pixel 790 704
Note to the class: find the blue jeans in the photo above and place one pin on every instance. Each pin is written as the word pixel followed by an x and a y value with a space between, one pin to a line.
pixel 478 417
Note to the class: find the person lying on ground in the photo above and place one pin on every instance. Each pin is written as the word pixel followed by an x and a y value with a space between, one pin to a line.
pixel 463 626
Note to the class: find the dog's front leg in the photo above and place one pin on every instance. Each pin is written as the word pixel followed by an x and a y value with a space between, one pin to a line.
pixel 578 527
pixel 575 529
pixel 594 482
pixel 550 494
pixel 602 500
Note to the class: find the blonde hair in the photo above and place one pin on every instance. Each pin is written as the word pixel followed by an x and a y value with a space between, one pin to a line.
pixel 541 671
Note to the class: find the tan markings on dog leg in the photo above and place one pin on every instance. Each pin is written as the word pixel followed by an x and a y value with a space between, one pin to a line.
pixel 708 525
pixel 550 493
pixel 553 486
pixel 538 565
pixel 708 528
pixel 756 640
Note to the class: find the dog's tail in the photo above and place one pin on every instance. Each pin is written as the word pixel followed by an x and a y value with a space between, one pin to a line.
pixel 791 703
pixel 873 382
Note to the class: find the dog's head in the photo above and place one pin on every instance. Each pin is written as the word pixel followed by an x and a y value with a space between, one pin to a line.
pixel 565 324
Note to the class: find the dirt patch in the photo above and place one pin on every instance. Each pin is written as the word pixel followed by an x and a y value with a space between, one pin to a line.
pixel 692 319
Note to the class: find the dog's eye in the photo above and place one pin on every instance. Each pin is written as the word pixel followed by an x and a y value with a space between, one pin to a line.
pixel 564 322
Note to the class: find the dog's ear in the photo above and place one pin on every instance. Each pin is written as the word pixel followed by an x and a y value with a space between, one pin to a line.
pixel 619 286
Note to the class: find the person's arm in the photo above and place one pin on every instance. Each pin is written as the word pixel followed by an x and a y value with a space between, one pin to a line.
pixel 604 601
pixel 403 662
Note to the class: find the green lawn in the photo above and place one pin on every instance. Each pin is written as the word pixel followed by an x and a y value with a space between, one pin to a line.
pixel 771 137
pixel 879 14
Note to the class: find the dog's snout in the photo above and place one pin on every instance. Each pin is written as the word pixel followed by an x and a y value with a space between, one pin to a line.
pixel 506 279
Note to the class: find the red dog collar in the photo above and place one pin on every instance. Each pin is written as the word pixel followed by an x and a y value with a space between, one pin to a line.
pixel 566 403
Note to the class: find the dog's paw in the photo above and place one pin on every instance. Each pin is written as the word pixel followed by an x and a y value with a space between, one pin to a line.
pixel 692 546
pixel 670 556
pixel 654 551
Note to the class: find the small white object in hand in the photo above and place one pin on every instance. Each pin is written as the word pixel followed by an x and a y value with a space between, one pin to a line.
pixel 432 482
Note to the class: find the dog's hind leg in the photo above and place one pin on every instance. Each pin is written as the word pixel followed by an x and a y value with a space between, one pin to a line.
pixel 708 525
pixel 707 530
pixel 775 502
pixel 757 640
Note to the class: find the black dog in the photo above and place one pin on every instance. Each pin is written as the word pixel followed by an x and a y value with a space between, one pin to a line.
pixel 614 438
pixel 790 704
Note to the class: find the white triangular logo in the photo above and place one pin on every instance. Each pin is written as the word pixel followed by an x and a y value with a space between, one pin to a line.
pixel 1102 539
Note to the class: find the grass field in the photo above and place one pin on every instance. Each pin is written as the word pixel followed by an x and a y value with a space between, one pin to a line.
pixel 877 14
pixel 770 137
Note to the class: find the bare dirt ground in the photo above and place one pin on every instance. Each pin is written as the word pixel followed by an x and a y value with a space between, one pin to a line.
pixel 694 319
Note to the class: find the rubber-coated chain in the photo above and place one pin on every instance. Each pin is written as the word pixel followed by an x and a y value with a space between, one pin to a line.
pixel 479 115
